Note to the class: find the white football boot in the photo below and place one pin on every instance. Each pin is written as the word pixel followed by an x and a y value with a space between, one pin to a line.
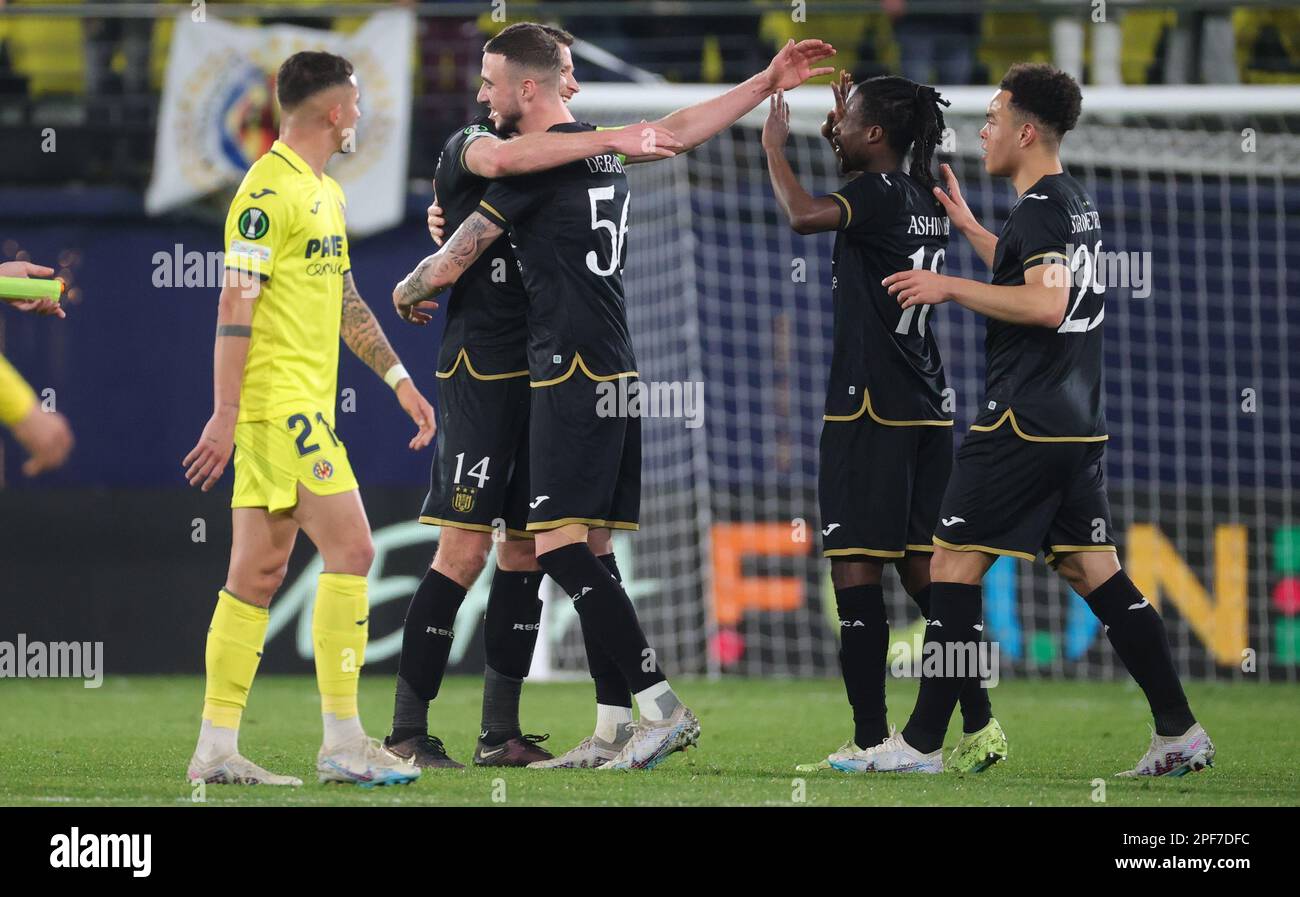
pixel 652 741
pixel 891 755
pixel 235 770
pixel 845 751
pixel 1175 755
pixel 592 752
pixel 364 761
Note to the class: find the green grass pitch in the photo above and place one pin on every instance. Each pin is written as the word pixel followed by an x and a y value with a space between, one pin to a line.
pixel 128 742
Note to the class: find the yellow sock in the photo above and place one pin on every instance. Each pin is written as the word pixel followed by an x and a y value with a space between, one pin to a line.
pixel 235 641
pixel 340 625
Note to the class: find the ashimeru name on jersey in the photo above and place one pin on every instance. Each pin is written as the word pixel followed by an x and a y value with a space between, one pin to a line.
pixel 928 226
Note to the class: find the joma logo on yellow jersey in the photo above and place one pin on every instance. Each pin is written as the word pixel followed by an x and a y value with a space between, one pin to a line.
pixel 330 246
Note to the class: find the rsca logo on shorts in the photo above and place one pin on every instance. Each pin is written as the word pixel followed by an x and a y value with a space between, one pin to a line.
pixel 463 499
pixel 322 470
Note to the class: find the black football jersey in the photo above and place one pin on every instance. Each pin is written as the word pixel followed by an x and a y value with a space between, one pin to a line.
pixel 568 227
pixel 885 362
pixel 487 307
pixel 1050 377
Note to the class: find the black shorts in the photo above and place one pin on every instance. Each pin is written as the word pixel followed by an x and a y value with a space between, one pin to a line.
pixel 880 487
pixel 480 455
pixel 586 468
pixel 1010 496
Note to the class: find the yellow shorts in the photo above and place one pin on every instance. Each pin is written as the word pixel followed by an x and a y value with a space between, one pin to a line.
pixel 273 456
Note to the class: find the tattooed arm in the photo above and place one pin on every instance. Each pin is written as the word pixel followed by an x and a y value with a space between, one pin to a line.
pixel 437 272
pixel 362 333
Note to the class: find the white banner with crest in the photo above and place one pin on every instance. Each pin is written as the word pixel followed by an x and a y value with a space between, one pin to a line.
pixel 218 112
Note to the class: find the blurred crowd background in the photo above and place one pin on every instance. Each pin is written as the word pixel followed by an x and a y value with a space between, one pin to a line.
pixel 98 65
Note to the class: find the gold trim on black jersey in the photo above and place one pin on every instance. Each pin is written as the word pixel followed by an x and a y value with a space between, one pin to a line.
pixel 591 522
pixel 848 210
pixel 1015 425
pixel 501 219
pixel 870 411
pixel 462 355
pixel 876 552
pixel 579 363
pixel 1007 552
pixel 870 552
pixel 474 527
pixel 1052 253
pixel 1050 556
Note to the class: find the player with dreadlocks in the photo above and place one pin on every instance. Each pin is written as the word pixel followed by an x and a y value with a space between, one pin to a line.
pixel 886 445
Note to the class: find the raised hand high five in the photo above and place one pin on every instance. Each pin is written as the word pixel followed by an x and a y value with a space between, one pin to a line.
pixel 796 63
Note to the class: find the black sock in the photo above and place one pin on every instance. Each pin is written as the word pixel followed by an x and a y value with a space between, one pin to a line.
pixel 511 622
pixel 601 602
pixel 955 609
pixel 410 713
pixel 611 564
pixel 509 636
pixel 611 690
pixel 500 707
pixel 864 644
pixel 976 709
pixel 1137 634
pixel 426 644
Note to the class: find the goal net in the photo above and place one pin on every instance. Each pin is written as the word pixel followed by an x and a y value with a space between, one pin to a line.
pixel 1198 191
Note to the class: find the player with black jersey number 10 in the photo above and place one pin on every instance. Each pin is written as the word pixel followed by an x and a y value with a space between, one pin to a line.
pixel 886 442
pixel 1030 475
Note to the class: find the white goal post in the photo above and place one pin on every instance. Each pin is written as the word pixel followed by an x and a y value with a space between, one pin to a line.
pixel 1199 194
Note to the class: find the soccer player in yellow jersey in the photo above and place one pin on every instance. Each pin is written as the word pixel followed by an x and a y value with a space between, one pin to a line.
pixel 289 296
pixel 44 434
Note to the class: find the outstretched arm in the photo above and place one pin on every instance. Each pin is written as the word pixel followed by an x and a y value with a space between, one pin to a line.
pixel 806 213
pixel 413 297
pixel 363 335
pixel 787 70
pixel 27 269
pixel 1040 302
pixel 494 158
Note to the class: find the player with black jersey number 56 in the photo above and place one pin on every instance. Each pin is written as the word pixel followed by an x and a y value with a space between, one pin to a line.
pixel 568 228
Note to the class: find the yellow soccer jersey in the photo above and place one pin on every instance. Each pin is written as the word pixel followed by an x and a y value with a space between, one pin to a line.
pixel 287 228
